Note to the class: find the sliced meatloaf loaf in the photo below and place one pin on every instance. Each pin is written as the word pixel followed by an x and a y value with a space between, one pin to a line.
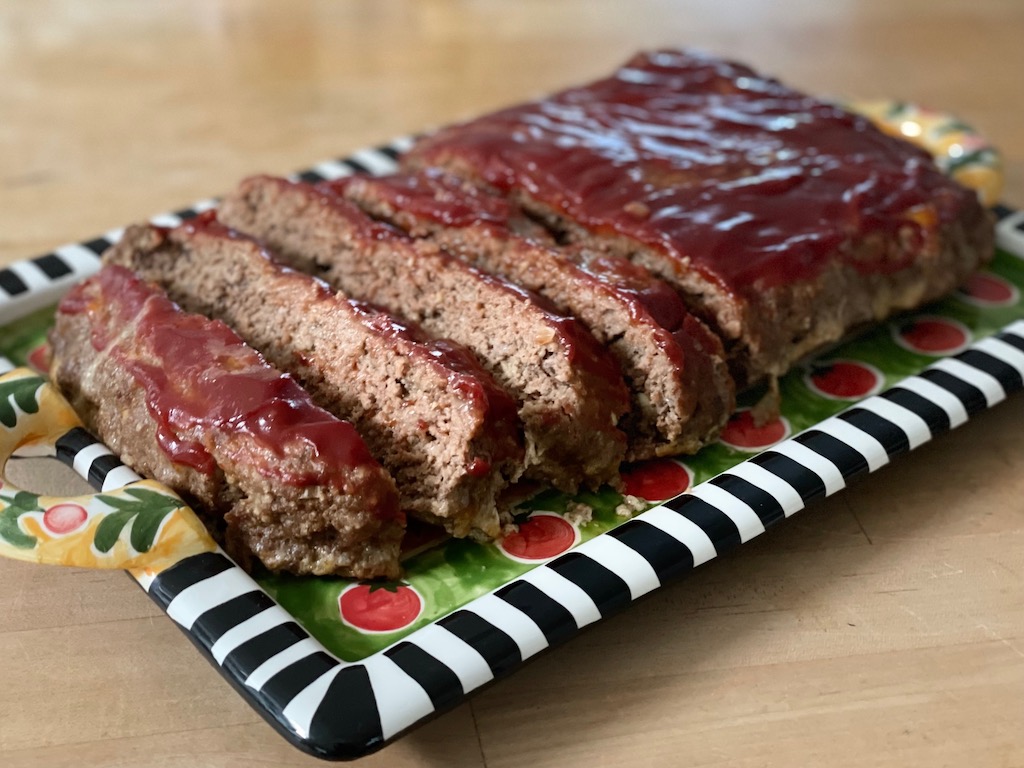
pixel 569 389
pixel 183 400
pixel 674 366
pixel 445 430
pixel 784 220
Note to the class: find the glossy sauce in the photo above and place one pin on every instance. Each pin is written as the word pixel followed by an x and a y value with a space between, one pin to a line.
pixel 727 172
pixel 203 384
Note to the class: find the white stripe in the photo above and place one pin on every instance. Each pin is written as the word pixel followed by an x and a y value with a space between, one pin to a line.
pixel 936 395
pixel 1008 236
pixel 914 426
pixel 513 622
pixel 401 701
pixel 165 220
pixel 872 450
pixel 374 161
pixel 300 710
pixel 563 591
pixel 625 562
pixel 684 530
pixel 462 659
pixel 82 260
pixel 1003 351
pixel 265 620
pixel 114 235
pixel 209 593
pixel 332 169
pixel 119 477
pixel 85 457
pixel 828 472
pixel 204 205
pixel 1016 328
pixel 747 522
pixel 784 493
pixel 402 143
pixel 307 646
pixel 6 366
pixel 30 274
pixel 988 384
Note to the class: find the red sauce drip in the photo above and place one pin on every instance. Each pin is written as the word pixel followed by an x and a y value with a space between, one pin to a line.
pixel 747 181
pixel 220 389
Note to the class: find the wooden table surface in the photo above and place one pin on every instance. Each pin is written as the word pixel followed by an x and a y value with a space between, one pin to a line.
pixel 884 627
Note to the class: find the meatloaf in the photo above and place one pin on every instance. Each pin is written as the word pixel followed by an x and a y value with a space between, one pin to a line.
pixel 445 430
pixel 570 391
pixel 782 219
pixel 183 400
pixel 673 365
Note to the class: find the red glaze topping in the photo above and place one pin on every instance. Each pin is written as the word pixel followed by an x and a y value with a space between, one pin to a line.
pixel 751 183
pixel 203 385
pixel 458 365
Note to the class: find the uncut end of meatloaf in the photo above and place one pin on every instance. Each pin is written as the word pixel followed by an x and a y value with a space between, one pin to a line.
pixel 183 400
pixel 783 220
pixel 447 433
pixel 673 365
pixel 569 390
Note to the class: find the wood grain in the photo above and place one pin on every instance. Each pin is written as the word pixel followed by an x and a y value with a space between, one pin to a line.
pixel 884 627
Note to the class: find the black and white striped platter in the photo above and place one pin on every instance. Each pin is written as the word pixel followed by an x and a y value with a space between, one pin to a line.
pixel 341 710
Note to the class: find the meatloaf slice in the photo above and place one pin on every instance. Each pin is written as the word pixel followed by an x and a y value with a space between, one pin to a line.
pixel 183 400
pixel 570 390
pixel 783 219
pixel 445 430
pixel 673 365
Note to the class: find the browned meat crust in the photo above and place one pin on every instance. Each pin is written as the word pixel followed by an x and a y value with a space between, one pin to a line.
pixel 784 221
pixel 673 365
pixel 570 391
pixel 183 400
pixel 445 430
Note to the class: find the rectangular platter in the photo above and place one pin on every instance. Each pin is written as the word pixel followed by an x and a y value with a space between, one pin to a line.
pixel 341 676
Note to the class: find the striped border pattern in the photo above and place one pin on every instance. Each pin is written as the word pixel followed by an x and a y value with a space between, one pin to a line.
pixel 342 710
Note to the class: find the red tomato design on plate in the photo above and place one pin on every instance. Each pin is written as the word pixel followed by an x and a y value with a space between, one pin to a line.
pixel 64 518
pixel 39 358
pixel 988 290
pixel 386 607
pixel 743 434
pixel 932 336
pixel 844 379
pixel 657 479
pixel 542 536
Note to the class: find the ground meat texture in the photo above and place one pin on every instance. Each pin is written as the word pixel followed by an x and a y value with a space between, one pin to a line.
pixel 674 366
pixel 439 423
pixel 783 220
pixel 181 399
pixel 570 391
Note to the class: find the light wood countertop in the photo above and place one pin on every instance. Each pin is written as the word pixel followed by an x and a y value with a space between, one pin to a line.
pixel 884 627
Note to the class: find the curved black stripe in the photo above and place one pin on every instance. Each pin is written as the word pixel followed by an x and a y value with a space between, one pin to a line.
pixel 244 659
pixel 498 649
pixel 72 443
pixel 52 265
pixel 972 398
pixel 714 522
pixel 1007 376
pixel 1001 211
pixel 184 574
pixel 311 177
pixel 765 505
pixel 668 556
pixel 347 722
pixel 11 283
pixel 1012 339
pixel 98 245
pixel 935 417
pixel 186 213
pixel 608 591
pixel 390 152
pixel 553 618
pixel 890 435
pixel 441 684
pixel 848 460
pixel 804 480
pixel 355 165
pixel 103 466
pixel 212 624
